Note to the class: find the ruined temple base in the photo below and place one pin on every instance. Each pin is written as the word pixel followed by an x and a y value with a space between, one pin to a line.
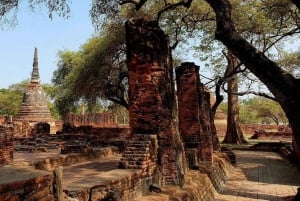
pixel 95 176
pixel 200 185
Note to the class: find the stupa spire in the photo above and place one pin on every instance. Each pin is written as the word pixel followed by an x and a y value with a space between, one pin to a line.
pixel 35 77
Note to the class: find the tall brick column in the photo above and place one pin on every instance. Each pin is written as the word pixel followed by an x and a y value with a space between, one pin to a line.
pixel 193 114
pixel 152 107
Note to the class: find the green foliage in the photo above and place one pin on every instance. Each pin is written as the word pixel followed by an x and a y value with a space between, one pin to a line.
pixel 64 98
pixel 10 101
pixel 121 114
pixel 11 98
pixel 291 62
pixel 261 110
pixel 93 74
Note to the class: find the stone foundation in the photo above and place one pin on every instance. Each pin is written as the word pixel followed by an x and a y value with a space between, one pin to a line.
pixel 200 185
pixel 132 185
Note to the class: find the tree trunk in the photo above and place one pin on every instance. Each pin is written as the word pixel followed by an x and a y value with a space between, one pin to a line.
pixel 234 134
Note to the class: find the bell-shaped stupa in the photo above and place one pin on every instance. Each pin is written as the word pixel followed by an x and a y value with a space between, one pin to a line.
pixel 34 108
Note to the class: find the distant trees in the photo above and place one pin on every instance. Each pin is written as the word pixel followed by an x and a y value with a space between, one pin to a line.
pixel 262 110
pixel 10 101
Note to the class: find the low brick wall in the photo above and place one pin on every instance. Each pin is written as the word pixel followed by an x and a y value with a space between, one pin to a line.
pixel 70 159
pixel 82 139
pixel 125 188
pixel 106 120
pixel 18 184
pixel 251 128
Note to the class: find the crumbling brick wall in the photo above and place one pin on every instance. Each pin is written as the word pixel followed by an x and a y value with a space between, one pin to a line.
pixel 193 114
pixel 6 145
pixel 96 120
pixel 152 108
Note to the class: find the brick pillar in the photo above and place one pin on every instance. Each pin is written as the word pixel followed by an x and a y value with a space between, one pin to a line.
pixel 152 107
pixel 6 145
pixel 193 114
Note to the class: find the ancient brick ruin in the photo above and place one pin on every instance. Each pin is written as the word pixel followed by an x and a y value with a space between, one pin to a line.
pixel 195 133
pixel 97 120
pixel 6 145
pixel 152 108
pixel 34 108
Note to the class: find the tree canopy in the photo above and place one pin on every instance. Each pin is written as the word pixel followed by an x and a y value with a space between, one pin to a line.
pixel 93 74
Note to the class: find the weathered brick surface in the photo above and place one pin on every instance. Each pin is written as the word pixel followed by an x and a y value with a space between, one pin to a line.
pixel 151 92
pixel 28 185
pixel 106 120
pixel 6 145
pixel 81 139
pixel 187 79
pixel 193 113
pixel 141 153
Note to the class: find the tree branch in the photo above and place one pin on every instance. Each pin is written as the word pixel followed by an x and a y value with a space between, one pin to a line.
pixel 297 3
pixel 169 6
pixel 219 97
pixel 138 5
pixel 278 81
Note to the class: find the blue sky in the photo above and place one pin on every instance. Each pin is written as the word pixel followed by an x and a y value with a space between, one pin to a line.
pixel 35 29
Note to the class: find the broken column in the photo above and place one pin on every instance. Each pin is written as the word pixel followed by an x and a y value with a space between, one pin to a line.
pixel 193 112
pixel 152 108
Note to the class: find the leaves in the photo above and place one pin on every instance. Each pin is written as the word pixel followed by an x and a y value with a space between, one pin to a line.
pixel 93 74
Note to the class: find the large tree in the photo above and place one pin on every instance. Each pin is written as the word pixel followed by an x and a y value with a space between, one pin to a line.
pixel 93 74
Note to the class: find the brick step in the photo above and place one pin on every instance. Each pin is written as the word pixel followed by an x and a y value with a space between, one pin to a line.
pixel 154 197
pixel 144 149
pixel 127 152
pixel 168 193
pixel 127 158
pixel 135 163
pixel 144 145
